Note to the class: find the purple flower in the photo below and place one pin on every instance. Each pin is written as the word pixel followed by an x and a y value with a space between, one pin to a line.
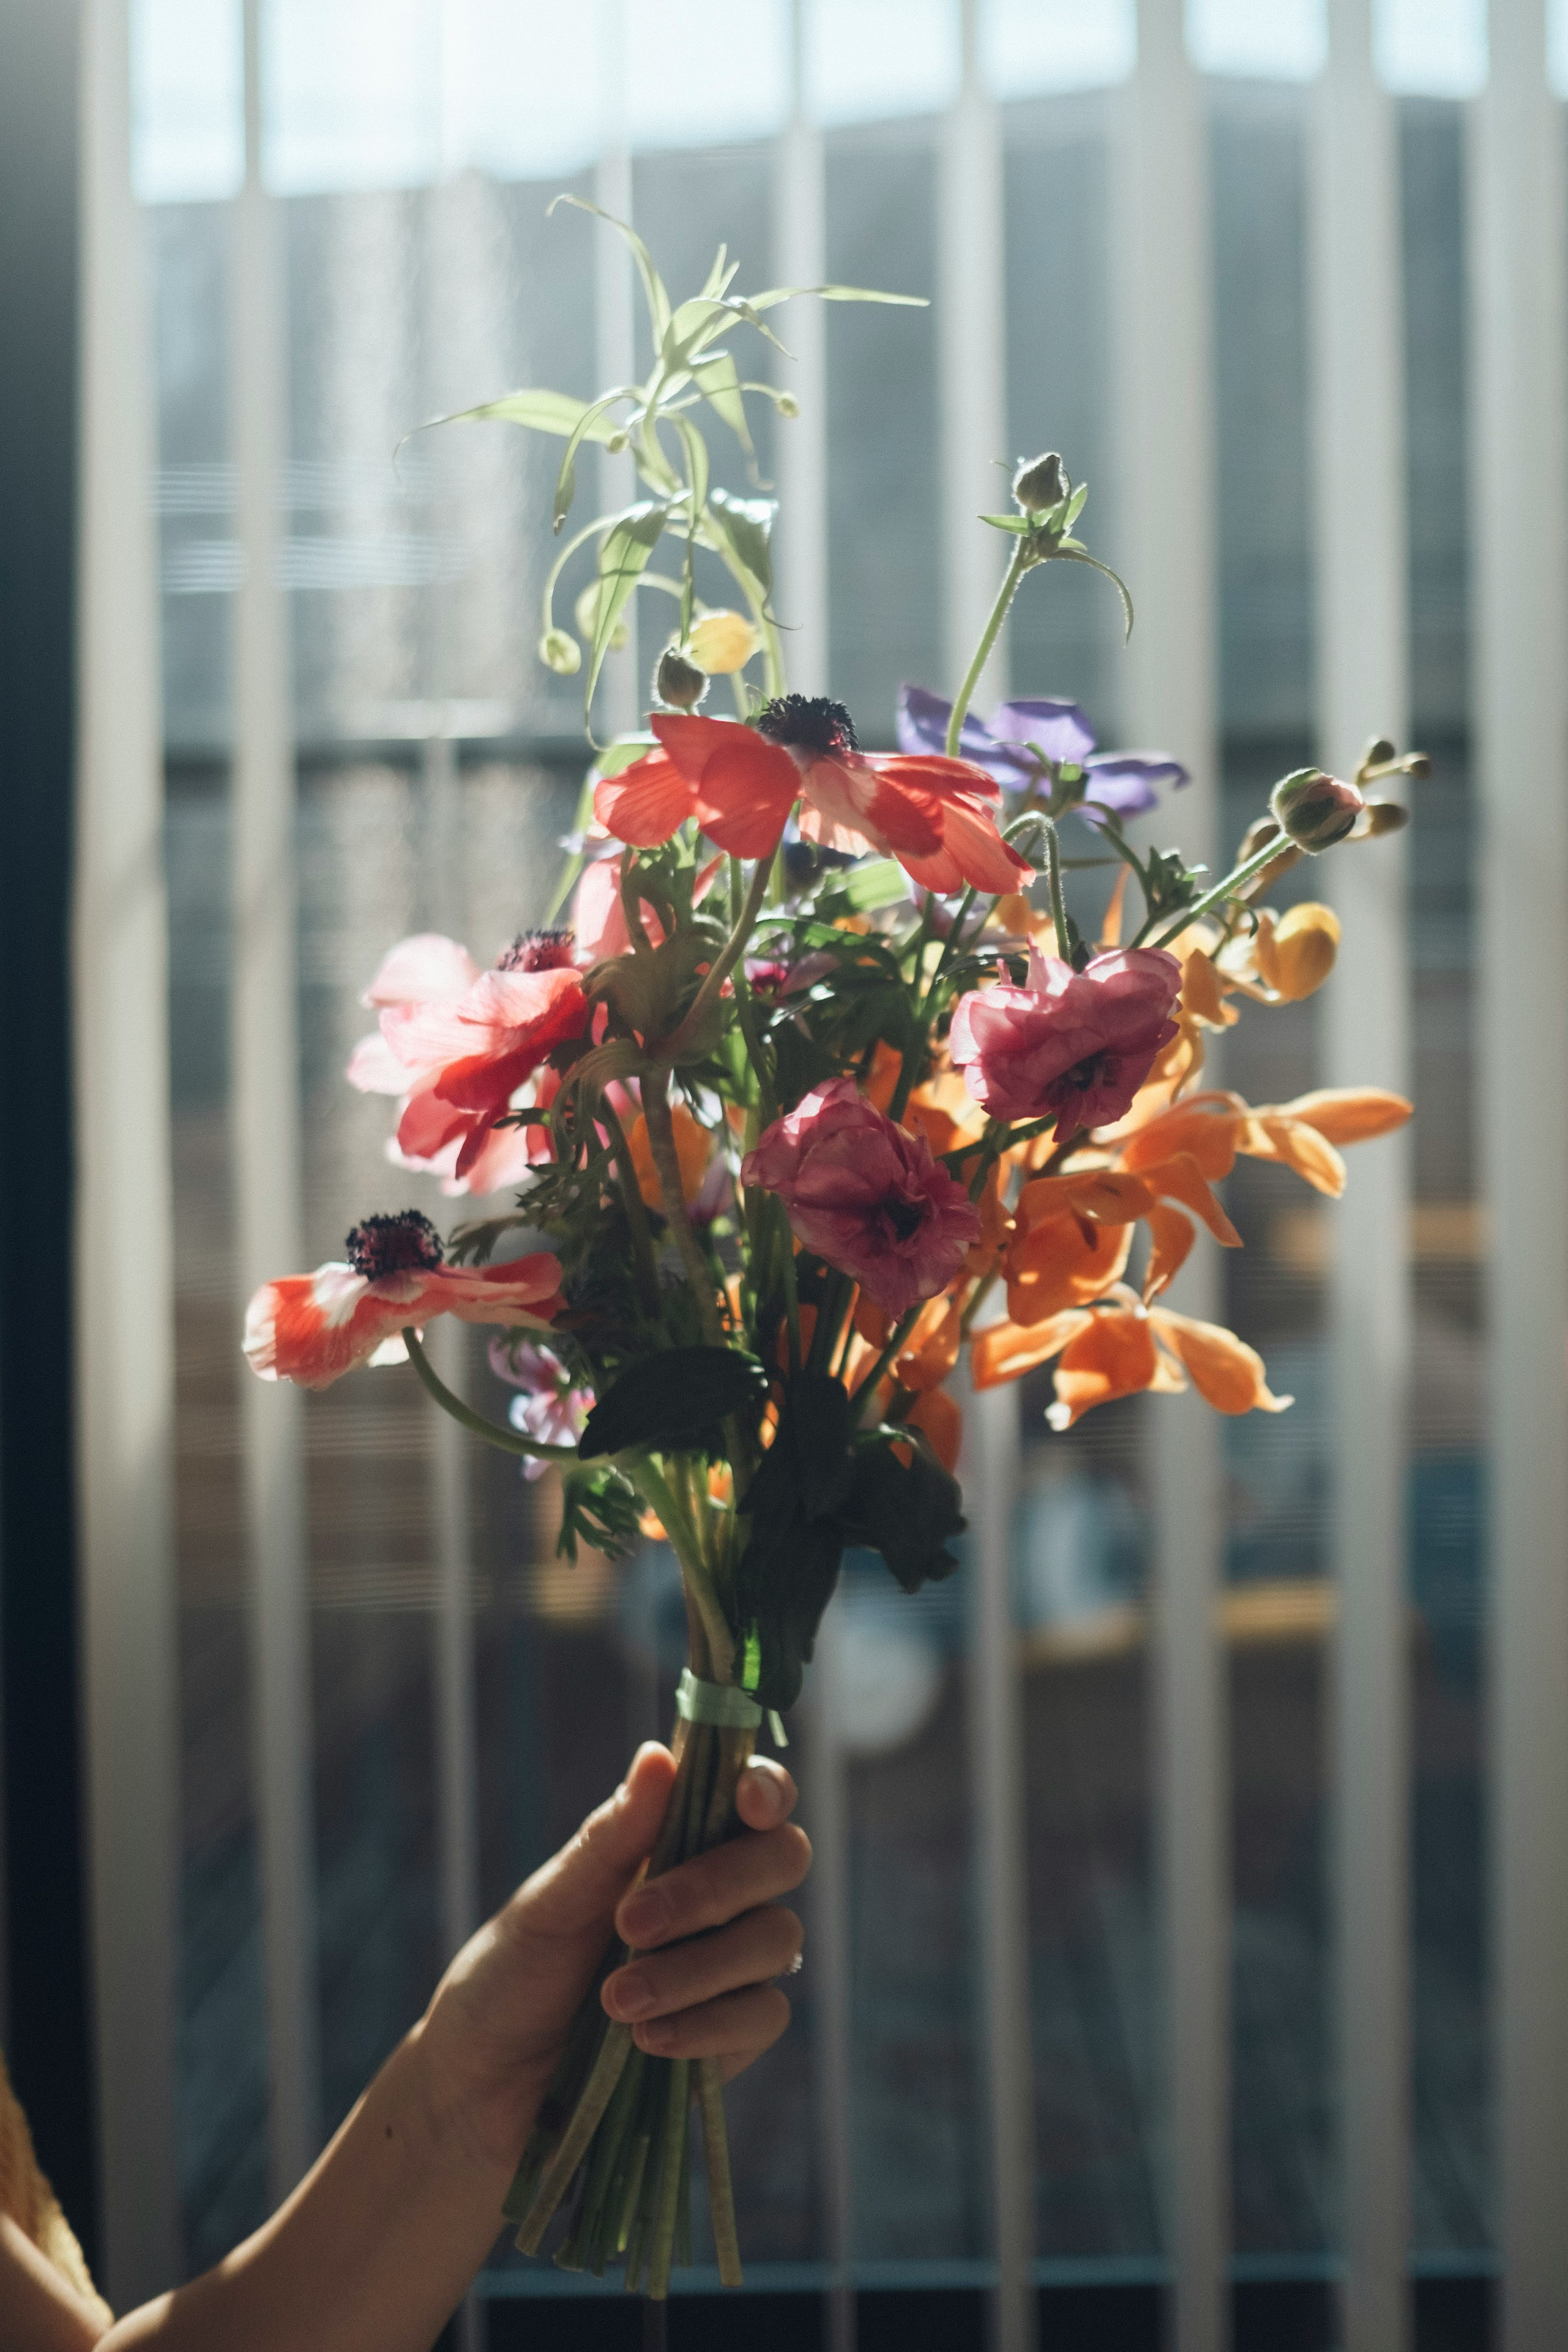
pixel 1124 782
pixel 550 1410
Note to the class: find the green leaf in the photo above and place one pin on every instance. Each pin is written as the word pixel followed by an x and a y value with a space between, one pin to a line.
pixel 566 480
pixel 674 1401
pixel 777 294
pixel 1019 523
pixel 790 1565
pixel 720 387
pixel 601 1509
pixel 880 883
pixel 905 1511
pixel 1077 555
pixel 622 559
pixel 621 755
pixel 657 300
pixel 543 412
pixel 723 271
pixel 745 527
pixel 1075 506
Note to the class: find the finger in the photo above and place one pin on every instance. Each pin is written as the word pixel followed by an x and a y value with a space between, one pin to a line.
pixel 760 1944
pixel 715 1887
pixel 737 2028
pixel 582 1883
pixel 764 1794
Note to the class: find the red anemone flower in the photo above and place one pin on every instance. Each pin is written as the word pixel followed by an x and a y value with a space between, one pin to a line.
pixel 740 783
pixel 312 1327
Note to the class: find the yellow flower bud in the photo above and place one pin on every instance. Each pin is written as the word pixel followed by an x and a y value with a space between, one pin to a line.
pixel 788 405
pixel 723 642
pixel 559 651
pixel 1296 954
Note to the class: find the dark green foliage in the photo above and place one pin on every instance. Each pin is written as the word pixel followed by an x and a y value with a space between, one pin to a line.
pixel 674 1402
pixel 600 1508
pixel 906 1511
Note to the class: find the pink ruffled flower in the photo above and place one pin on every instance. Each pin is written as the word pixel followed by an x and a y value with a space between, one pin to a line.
pixel 1077 1043
pixel 458 1044
pixel 312 1327
pixel 548 1409
pixel 868 1198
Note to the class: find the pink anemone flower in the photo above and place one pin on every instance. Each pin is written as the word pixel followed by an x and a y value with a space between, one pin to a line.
pixel 740 783
pixel 1077 1043
pixel 457 1043
pixel 312 1327
pixel 548 1409
pixel 865 1195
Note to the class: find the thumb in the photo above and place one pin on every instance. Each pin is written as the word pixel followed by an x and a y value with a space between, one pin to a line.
pixel 581 1887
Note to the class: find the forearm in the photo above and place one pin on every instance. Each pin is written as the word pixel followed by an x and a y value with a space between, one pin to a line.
pixel 371 2251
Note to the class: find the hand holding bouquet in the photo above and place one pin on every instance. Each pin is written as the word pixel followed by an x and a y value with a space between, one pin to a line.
pixel 816 1092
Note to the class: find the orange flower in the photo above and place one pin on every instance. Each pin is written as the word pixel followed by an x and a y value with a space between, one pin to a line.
pixel 931 1351
pixel 1063 1261
pixel 942 1424
pixel 694 1147
pixel 1296 954
pixel 1113 1355
pixel 1224 1369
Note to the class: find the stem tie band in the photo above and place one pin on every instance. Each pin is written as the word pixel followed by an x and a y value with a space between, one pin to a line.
pixel 725 1704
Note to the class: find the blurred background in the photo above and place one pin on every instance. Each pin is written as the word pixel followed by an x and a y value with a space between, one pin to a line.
pixel 1102 1903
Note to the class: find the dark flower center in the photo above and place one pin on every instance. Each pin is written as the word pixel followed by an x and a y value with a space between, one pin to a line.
pixel 380 1246
pixel 1093 1070
pixel 537 952
pixel 809 720
pixel 906 1217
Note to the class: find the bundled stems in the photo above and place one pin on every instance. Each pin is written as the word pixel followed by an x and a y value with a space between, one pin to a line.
pixel 620 2118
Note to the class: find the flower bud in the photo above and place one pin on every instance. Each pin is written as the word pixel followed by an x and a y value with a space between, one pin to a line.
pixel 616 442
pixel 1378 752
pixel 1384 817
pixel 559 651
pixel 586 614
pixel 679 683
pixel 1039 483
pixel 1316 810
pixel 787 405
pixel 722 642
pixel 1418 765
pixel 1296 955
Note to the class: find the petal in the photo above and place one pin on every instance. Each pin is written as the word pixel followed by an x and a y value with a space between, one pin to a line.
pixel 1113 1357
pixel 942 1424
pixel 1005 1352
pixel 932 1349
pixel 1224 1369
pixel 1297 1145
pixel 1060 728
pixel 863 796
pixel 1172 1234
pixel 1348 1114
pixel 1104 1193
pixel 1209 1129
pixel 1063 1261
pixel 647 803
pixel 375 1070
pixel 983 858
pixel 743 786
pixel 1180 1178
pixel 426 969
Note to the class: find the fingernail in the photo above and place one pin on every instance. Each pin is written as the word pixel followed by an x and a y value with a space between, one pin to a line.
pixel 633 1993
pixel 658 2034
pixel 644 1915
pixel 770 1793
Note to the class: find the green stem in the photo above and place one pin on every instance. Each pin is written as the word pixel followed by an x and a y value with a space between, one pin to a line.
pixel 878 1372
pixel 667 1166
pixel 1053 879
pixel 635 1206
pixel 1217 895
pixel 506 1440
pixel 658 1492
pixel 1015 572
pixel 734 947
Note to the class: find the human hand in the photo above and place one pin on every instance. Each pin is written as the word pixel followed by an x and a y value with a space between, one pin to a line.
pixel 496 2028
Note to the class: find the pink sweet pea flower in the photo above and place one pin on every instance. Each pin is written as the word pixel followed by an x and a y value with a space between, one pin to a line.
pixel 457 1043
pixel 548 1410
pixel 868 1198
pixel 312 1327
pixel 1077 1043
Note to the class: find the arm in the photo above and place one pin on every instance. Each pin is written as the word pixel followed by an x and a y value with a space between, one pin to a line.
pixel 40 2311
pixel 378 2243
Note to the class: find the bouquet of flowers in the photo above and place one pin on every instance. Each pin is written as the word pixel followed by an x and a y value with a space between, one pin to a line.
pixel 819 1089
